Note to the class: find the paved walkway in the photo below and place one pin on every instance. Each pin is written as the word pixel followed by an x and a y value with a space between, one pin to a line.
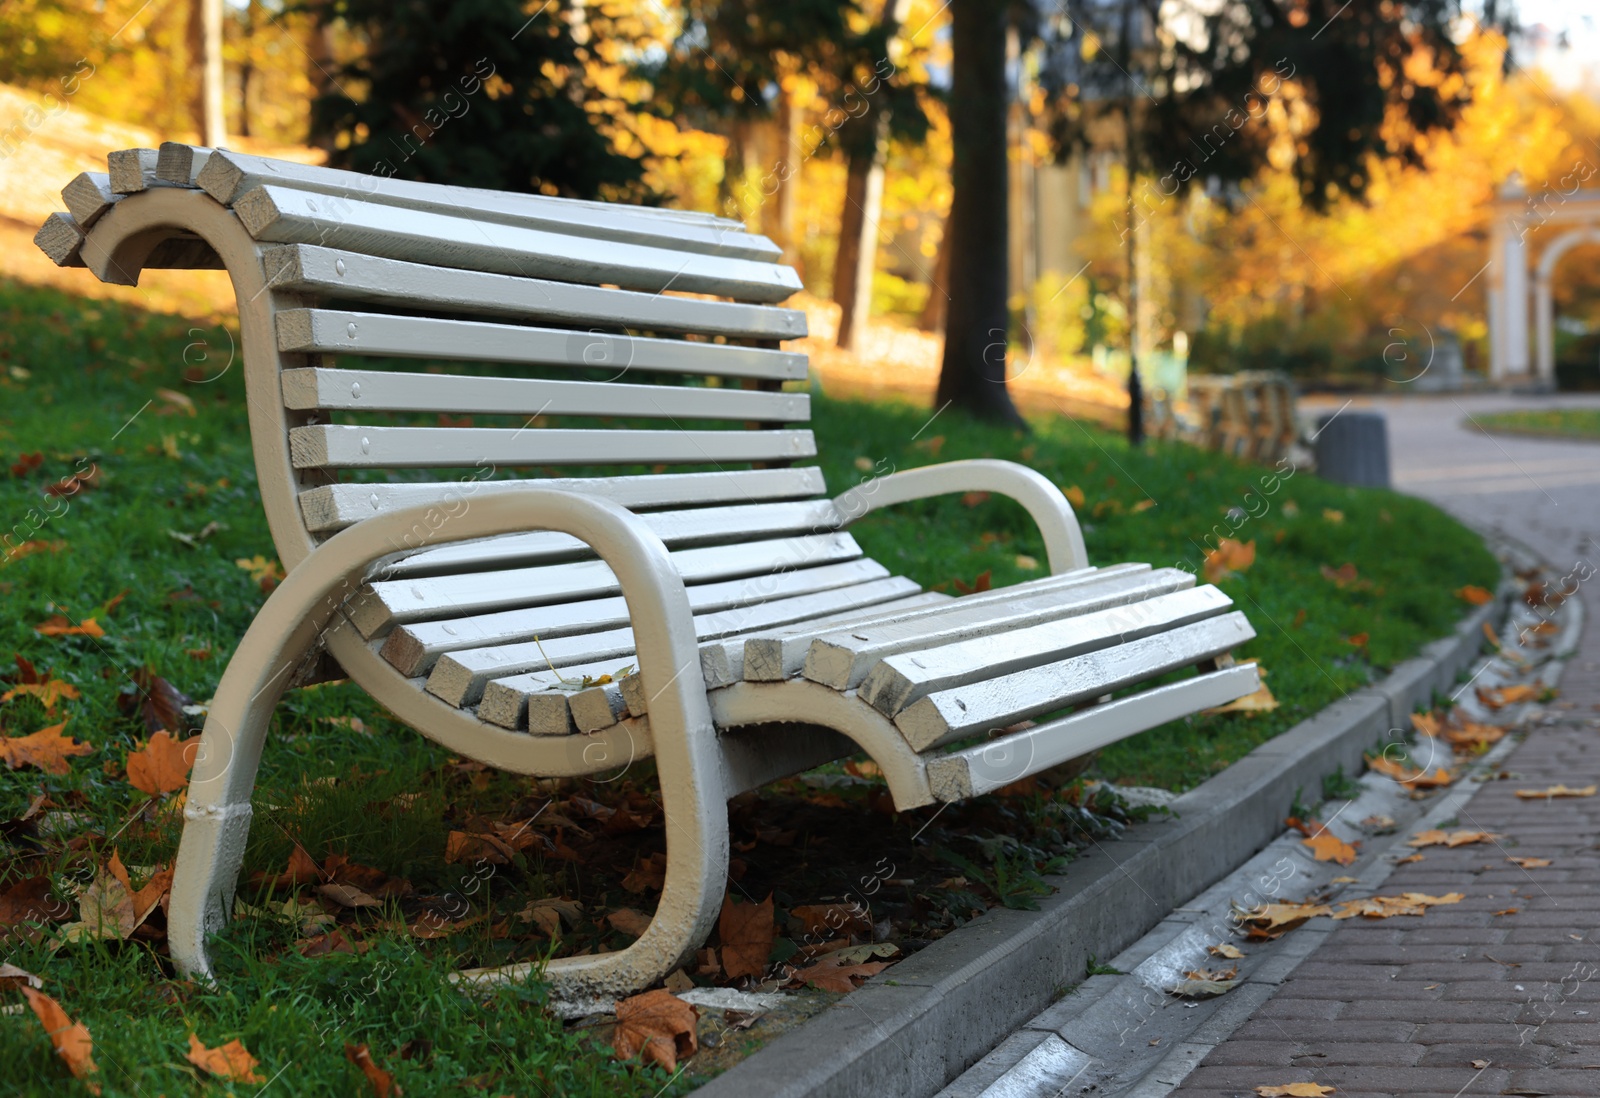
pixel 1468 1000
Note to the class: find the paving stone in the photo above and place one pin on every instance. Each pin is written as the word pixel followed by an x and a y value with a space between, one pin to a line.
pixel 1500 1055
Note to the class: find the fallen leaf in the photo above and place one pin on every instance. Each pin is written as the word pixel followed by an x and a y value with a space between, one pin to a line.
pixel 1435 837
pixel 1194 988
pixel 1384 907
pixel 29 903
pixel 158 703
pixel 747 932
pixel 178 400
pixel 551 914
pixel 973 499
pixel 46 749
pixel 1472 736
pixel 1075 497
pixel 979 583
pixel 1296 1090
pixel 1268 921
pixel 162 765
pixel 1335 517
pixel 12 976
pixel 27 463
pixel 230 1061
pixel 650 875
pixel 58 625
pixel 1229 558
pixel 1491 636
pixel 1428 724
pixel 657 1025
pixel 334 941
pixel 821 921
pixel 833 973
pixel 346 895
pixel 1357 640
pixel 1378 825
pixel 1417 779
pixel 381 1081
pixel 1506 911
pixel 1480 1064
pixel 1408 859
pixel 1027 563
pixel 1328 847
pixel 463 846
pixel 1477 596
pixel 1555 791
pixel 70 1039
pixel 1143 505
pixel 1500 696
pixel 48 690
pixel 1529 863
pixel 860 953
pixel 630 922
pixel 28 548
pixel 1343 577
pixel 1232 953
pixel 1261 701
pixel 266 573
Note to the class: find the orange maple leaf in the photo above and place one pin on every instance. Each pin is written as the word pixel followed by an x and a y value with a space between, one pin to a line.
pixel 58 625
pixel 658 1025
pixel 1328 847
pixel 163 764
pixel 70 1039
pixel 835 973
pixel 1477 596
pixel 1229 558
pixel 46 749
pixel 230 1061
pixel 381 1081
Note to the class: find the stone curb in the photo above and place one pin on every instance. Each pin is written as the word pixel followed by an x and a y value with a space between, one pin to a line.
pixel 915 1028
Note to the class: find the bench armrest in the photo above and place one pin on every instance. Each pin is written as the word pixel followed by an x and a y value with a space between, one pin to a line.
pixel 1063 541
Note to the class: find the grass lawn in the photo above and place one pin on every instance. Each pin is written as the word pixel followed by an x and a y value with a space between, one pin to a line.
pixel 1554 422
pixel 1345 583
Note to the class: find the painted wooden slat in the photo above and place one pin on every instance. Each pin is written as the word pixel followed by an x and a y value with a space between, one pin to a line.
pixel 330 272
pixel 841 660
pixel 61 239
pixel 133 170
pixel 990 766
pixel 544 710
pixel 236 174
pixel 331 507
pixel 380 605
pixel 332 446
pixel 459 677
pixel 414 648
pixel 772 658
pixel 536 695
pixel 990 704
pixel 388 391
pixel 699 526
pixel 88 196
pixel 340 332
pixel 181 164
pixel 899 680
pixel 280 215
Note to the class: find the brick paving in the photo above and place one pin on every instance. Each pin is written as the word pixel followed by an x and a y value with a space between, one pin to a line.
pixel 1463 1000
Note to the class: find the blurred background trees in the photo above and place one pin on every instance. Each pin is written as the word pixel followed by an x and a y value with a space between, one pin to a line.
pixel 1308 176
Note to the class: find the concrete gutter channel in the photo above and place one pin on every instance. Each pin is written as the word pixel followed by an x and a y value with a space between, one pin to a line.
pixel 920 1025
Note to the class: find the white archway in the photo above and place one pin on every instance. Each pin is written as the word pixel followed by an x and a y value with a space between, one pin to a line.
pixel 1518 219
pixel 1544 308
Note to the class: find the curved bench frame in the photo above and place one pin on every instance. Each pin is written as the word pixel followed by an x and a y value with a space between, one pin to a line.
pixel 698 774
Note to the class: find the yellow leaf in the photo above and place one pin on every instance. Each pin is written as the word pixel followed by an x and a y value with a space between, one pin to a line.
pixel 58 625
pixel 1143 505
pixel 1529 862
pixel 1328 847
pixel 1435 837
pixel 1477 596
pixel 1075 497
pixel 230 1061
pixel 46 749
pixel 1261 701
pixel 1295 1090
pixel 1228 558
pixel 1335 517
pixel 1555 791
pixel 1232 953
pixel 176 399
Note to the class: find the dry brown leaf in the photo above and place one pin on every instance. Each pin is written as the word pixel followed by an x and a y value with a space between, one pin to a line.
pixel 58 625
pixel 1296 1090
pixel 1342 577
pixel 1435 837
pixel 1195 986
pixel 1075 497
pixel 1268 921
pixel 70 1039
pixel 158 703
pixel 1428 724
pixel 551 914
pixel 334 941
pixel 49 691
pixel 1384 907
pixel 1497 697
pixel 12 976
pixel 267 573
pixel 1229 558
pixel 1472 736
pixel 1477 596
pixel 464 846
pixel 1417 779
pixel 105 909
pixel 1408 859
pixel 381 1081
pixel 657 1025
pixel 1328 847
pixel 1555 791
pixel 836 973
pixel 1491 636
pixel 46 749
pixel 347 895
pixel 230 1061
pixel 1229 952
pixel 747 932
pixel 162 765
pixel 629 921
pixel 648 876
pixel 1529 863
pixel 1261 701
pixel 1506 911
pixel 820 921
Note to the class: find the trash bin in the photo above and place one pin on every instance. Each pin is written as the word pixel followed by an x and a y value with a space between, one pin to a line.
pixel 1353 448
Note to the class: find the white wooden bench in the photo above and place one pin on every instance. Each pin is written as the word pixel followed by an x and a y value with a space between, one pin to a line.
pixel 471 589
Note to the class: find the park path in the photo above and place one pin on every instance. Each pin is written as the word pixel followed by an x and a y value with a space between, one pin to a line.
pixel 1468 1000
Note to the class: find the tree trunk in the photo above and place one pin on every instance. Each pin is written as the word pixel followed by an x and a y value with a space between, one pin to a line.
pixel 858 238
pixel 973 375
pixel 934 309
pixel 247 68
pixel 205 56
pixel 786 198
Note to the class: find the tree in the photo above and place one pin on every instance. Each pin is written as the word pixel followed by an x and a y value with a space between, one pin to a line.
pixel 475 92
pixel 1201 75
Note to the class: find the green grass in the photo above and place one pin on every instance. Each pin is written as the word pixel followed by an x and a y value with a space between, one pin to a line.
pixel 175 505
pixel 1554 422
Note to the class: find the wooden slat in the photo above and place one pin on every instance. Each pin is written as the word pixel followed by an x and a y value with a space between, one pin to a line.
pixel 88 196
pixel 841 660
pixel 333 273
pixel 699 526
pixel 181 164
pixel 236 174
pixel 502 689
pixel 774 657
pixel 133 170
pixel 60 239
pixel 331 507
pixel 899 680
pixel 339 332
pixel 978 707
pixel 414 648
pixel 459 677
pixel 382 604
pixel 330 446
pixel 990 766
pixel 283 216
